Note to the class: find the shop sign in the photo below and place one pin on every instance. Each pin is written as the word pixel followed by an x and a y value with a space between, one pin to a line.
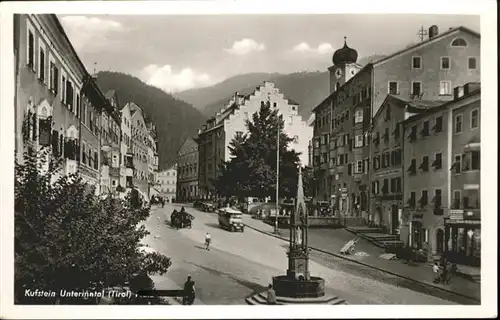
pixel 456 214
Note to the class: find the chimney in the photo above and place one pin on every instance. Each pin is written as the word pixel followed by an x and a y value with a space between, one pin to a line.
pixel 433 31
pixel 458 92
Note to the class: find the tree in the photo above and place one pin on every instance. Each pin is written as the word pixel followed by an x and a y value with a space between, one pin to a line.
pixel 66 237
pixel 309 180
pixel 252 168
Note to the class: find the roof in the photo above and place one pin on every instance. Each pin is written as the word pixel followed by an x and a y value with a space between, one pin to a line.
pixel 292 102
pixel 427 41
pixel 400 52
pixel 443 106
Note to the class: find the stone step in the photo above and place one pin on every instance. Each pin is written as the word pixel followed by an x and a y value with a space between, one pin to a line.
pixel 261 298
pixel 364 230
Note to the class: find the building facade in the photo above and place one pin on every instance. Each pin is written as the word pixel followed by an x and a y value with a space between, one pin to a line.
pixel 140 136
pixel 342 143
pixel 126 149
pixel 215 136
pixel 152 156
pixel 57 101
pixel 463 225
pixel 167 180
pixel 111 147
pixel 432 171
pixel 187 171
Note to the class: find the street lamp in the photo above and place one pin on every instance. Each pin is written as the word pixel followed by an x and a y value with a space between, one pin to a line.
pixel 276 230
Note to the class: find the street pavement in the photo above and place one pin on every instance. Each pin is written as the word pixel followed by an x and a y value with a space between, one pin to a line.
pixel 240 264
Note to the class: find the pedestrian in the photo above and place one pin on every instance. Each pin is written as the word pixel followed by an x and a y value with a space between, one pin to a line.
pixel 436 271
pixel 271 295
pixel 189 292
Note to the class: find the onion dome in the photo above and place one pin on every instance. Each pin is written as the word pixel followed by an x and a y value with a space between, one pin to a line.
pixel 345 55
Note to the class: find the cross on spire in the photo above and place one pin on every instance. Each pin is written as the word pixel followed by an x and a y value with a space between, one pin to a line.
pixel 422 33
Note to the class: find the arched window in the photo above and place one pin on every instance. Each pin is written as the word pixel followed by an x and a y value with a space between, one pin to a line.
pixel 459 42
pixel 337 86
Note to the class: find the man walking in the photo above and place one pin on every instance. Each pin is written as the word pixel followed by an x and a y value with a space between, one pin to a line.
pixel 189 292
pixel 436 271
pixel 271 295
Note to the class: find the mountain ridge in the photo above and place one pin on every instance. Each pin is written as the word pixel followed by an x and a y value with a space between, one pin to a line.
pixel 308 88
pixel 175 120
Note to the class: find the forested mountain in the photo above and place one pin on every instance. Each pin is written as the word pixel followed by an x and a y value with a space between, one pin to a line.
pixel 175 119
pixel 306 88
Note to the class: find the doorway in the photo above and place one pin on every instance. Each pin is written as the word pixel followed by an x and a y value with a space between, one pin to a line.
pixel 394 219
pixel 439 241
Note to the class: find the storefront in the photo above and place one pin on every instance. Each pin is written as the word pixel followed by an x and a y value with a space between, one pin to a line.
pixel 463 241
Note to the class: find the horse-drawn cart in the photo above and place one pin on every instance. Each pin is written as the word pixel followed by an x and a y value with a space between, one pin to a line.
pixel 181 219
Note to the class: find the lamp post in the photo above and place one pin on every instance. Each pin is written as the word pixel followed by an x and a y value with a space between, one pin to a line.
pixel 276 230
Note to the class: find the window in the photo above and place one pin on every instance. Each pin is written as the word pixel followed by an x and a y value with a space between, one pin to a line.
pixel 386 135
pixel 396 157
pixel 475 162
pixel 416 88
pixel 296 139
pixel 393 87
pixel 458 124
pixel 385 186
pixel 438 127
pixel 376 162
pixel 425 129
pixel 424 198
pixel 471 63
pixel 457 165
pixel 411 201
pixel 375 187
pixel 457 194
pixel 445 88
pixel 425 164
pixel 78 105
pixel 438 161
pixel 246 115
pixel 359 166
pixel 412 169
pixel 63 87
pixel 459 42
pixel 416 63
pixel 474 118
pixel 358 116
pixel 53 77
pixel 290 120
pixel 41 61
pixel 30 59
pixel 413 133
pixel 445 63
pixel 386 158
pixel 437 198
pixel 359 141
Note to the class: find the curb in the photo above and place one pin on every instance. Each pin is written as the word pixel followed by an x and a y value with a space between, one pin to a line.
pixel 370 266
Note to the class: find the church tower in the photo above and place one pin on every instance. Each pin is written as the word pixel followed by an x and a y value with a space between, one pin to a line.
pixel 344 66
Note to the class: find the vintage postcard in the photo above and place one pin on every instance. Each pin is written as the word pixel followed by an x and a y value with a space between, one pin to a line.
pixel 209 159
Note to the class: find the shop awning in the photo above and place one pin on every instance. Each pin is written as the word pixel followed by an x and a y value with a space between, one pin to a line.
pixel 473 146
pixel 457 221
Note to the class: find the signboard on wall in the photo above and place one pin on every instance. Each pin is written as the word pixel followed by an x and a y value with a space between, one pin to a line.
pixel 456 214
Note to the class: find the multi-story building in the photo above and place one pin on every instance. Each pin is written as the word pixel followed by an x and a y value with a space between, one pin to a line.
pixel 432 171
pixel 463 225
pixel 126 149
pixel 386 174
pixel 140 136
pixel 111 146
pixel 57 101
pixel 152 155
pixel 168 183
pixel 215 136
pixel 342 132
pixel 187 171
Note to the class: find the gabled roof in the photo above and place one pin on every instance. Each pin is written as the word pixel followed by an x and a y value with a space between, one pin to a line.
pixel 426 42
pixel 415 105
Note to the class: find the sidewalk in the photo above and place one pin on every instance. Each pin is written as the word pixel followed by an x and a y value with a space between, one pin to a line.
pixel 331 240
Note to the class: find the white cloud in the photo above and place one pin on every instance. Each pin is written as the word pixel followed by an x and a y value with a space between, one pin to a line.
pixel 245 46
pixel 166 79
pixel 89 33
pixel 323 48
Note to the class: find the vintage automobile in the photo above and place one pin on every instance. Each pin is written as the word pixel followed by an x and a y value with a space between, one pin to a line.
pixel 208 206
pixel 181 219
pixel 231 219
pixel 323 209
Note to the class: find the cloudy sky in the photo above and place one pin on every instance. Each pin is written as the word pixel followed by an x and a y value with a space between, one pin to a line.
pixel 179 52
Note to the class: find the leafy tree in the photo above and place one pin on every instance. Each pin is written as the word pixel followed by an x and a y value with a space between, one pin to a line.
pixel 66 237
pixel 309 180
pixel 252 168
